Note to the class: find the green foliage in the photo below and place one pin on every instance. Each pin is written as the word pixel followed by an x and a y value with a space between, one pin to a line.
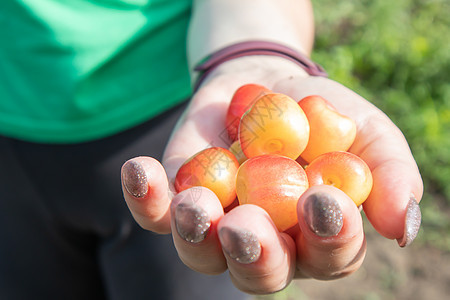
pixel 397 55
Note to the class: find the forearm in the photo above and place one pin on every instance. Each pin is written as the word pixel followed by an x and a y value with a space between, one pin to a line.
pixel 218 23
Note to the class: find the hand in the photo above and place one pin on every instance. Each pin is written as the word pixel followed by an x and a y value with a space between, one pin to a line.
pixel 244 240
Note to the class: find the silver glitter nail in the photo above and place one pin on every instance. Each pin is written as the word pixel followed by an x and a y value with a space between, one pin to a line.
pixel 323 215
pixel 192 222
pixel 241 245
pixel 135 179
pixel 413 219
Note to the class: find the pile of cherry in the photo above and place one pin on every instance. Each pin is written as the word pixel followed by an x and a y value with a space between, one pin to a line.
pixel 280 148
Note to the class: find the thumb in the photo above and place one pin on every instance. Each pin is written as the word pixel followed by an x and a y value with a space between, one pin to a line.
pixel 146 192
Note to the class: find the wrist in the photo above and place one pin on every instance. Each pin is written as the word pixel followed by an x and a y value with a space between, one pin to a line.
pixel 262 52
pixel 266 70
pixel 257 58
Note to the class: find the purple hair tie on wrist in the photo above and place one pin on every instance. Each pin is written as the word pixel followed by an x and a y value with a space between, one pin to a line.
pixel 255 48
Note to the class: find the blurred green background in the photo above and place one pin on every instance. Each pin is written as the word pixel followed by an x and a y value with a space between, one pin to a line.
pixel 397 55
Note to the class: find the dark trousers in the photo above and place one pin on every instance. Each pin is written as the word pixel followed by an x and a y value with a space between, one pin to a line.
pixel 66 233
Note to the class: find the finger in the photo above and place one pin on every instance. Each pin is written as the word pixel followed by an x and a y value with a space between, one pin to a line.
pixel 200 127
pixel 392 206
pixel 397 185
pixel 195 214
pixel 331 241
pixel 259 258
pixel 145 189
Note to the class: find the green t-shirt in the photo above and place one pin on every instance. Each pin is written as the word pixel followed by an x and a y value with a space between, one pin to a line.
pixel 78 70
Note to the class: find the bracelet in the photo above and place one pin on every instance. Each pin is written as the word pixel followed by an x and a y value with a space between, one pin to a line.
pixel 207 65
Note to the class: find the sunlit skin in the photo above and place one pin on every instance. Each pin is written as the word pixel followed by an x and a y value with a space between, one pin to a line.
pixel 242 100
pixel 274 125
pixel 214 168
pixel 329 130
pixel 236 149
pixel 378 142
pixel 274 183
pixel 344 171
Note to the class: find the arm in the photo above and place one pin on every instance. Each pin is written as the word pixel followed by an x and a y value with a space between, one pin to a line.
pixel 216 24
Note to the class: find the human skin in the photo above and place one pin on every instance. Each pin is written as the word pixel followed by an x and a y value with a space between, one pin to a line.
pixel 278 257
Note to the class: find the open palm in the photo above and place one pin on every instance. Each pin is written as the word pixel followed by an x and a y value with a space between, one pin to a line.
pixel 244 240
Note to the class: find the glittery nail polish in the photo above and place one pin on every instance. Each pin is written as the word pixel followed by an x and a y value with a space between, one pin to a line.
pixel 241 245
pixel 413 219
pixel 135 179
pixel 192 222
pixel 323 214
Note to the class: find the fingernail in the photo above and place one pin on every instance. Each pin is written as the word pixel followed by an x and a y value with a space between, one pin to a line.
pixel 192 222
pixel 241 245
pixel 412 223
pixel 135 179
pixel 323 214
